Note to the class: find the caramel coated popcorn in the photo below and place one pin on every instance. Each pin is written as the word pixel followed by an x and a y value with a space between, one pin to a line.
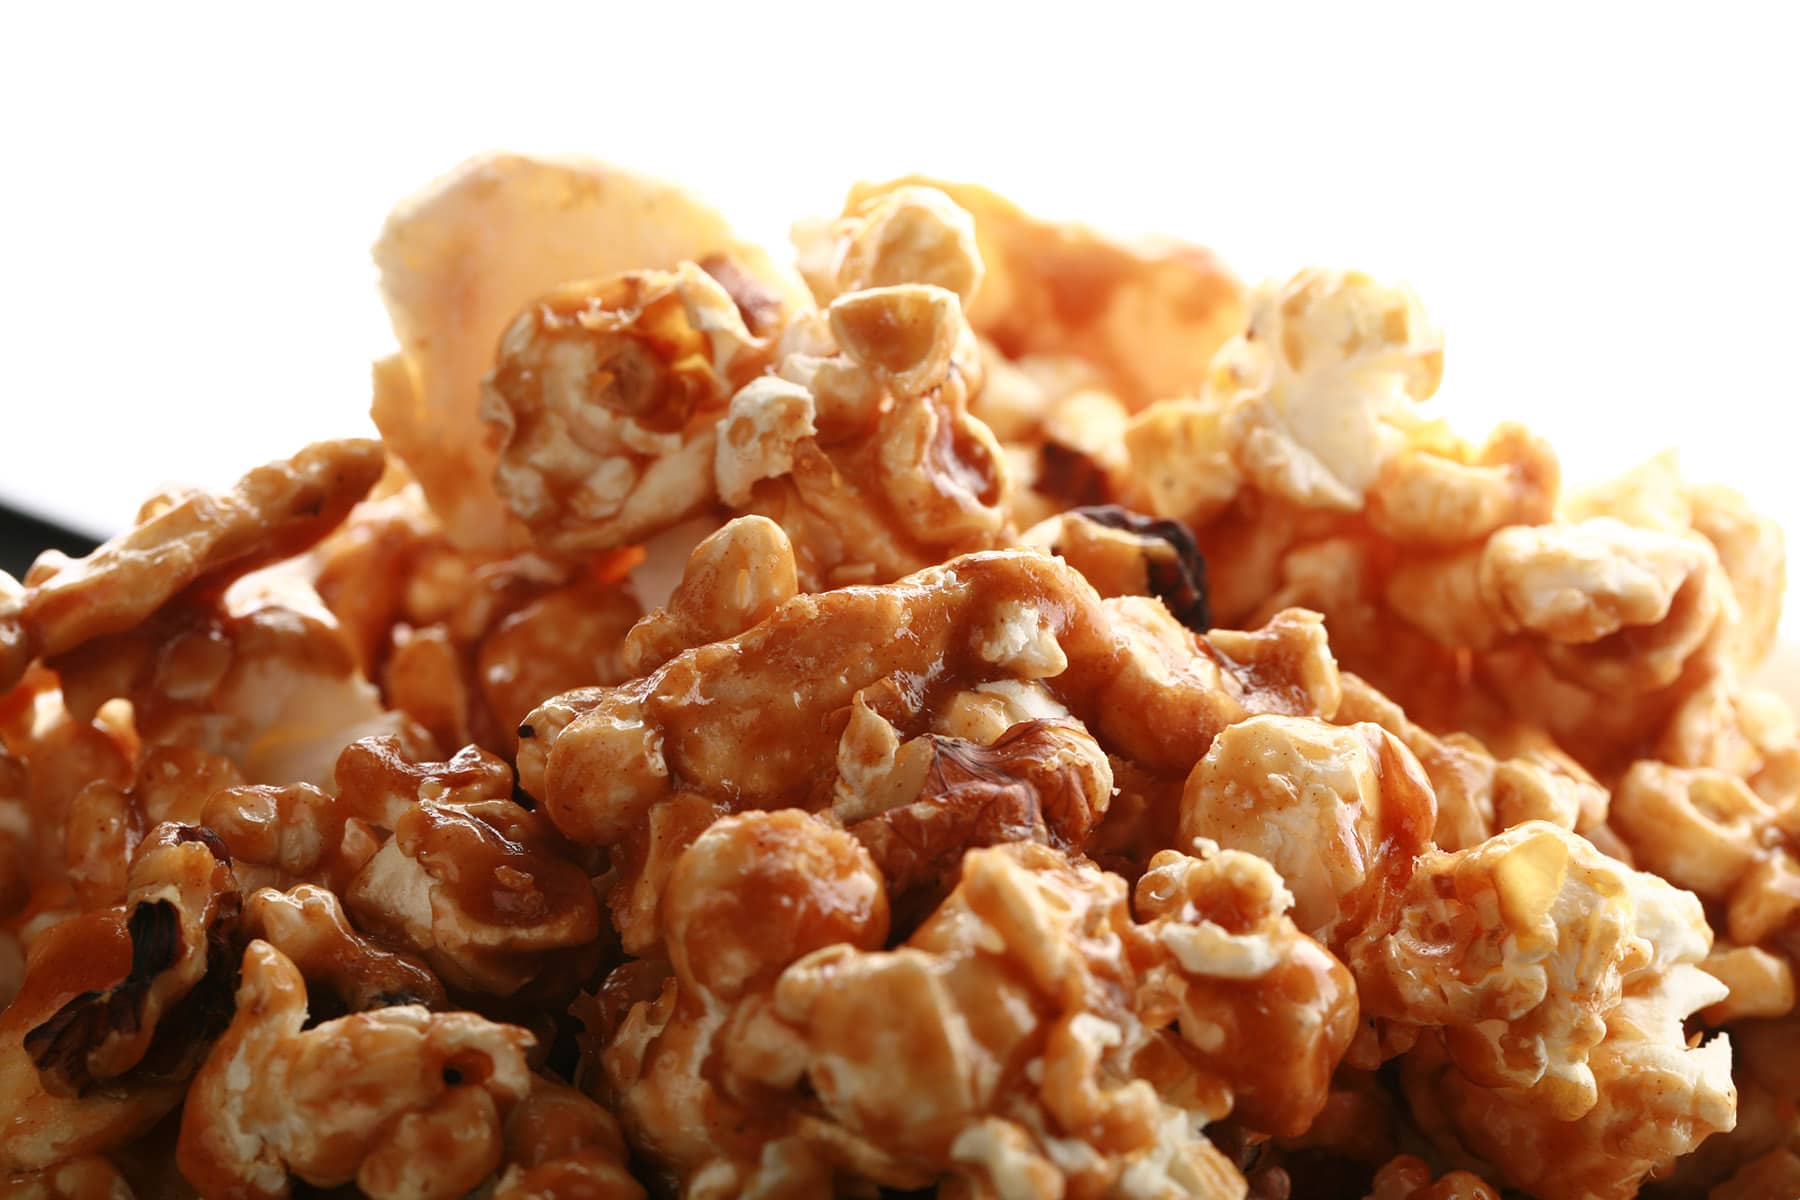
pixel 991 711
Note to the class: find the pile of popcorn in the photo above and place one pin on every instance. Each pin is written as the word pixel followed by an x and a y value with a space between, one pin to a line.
pixel 993 711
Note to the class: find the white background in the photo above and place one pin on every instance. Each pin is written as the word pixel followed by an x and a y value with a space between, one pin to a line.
pixel 1599 204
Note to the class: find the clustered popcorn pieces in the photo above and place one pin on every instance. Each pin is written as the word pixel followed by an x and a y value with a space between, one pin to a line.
pixel 1106 740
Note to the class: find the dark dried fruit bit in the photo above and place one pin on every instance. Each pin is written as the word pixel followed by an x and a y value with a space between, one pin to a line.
pixel 1069 475
pixel 1175 572
pixel 61 1045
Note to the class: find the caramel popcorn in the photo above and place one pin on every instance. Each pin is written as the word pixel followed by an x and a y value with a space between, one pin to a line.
pixel 401 1101
pixel 861 445
pixel 1147 315
pixel 604 397
pixel 995 712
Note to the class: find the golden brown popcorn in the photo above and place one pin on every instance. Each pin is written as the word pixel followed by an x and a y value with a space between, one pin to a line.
pixel 307 926
pixel 1260 1005
pixel 1408 1177
pixel 1180 461
pixel 1452 494
pixel 1750 547
pixel 862 446
pixel 810 887
pixel 739 720
pixel 1316 395
pixel 57 758
pixel 1767 903
pixel 483 888
pixel 1761 984
pixel 911 234
pixel 1017 1035
pixel 1656 1098
pixel 733 579
pixel 424 678
pixel 603 400
pixel 264 680
pixel 461 259
pixel 1341 812
pixel 380 779
pixel 404 1102
pixel 1461 770
pixel 570 637
pixel 1697 828
pixel 1520 948
pixel 1147 314
pixel 560 1145
pixel 272 512
pixel 106 823
pixel 282 835
pixel 1753 553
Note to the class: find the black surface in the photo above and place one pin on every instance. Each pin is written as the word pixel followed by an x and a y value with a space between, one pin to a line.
pixel 23 536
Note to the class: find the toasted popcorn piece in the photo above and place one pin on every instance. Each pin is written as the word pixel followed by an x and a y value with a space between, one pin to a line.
pixel 559 1144
pixel 1316 394
pixel 1753 553
pixel 1541 783
pixel 1124 554
pixel 734 578
pixel 1001 964
pixel 808 886
pixel 1578 584
pixel 1767 902
pixel 1762 984
pixel 1430 495
pixel 1180 460
pixel 483 888
pixel 603 400
pixel 461 259
pixel 42 1124
pixel 1148 315
pixel 906 235
pixel 739 720
pixel 1341 812
pixel 1463 773
pixel 87 1178
pixel 1408 1177
pixel 401 1101
pixel 272 512
pixel 1697 828
pixel 307 926
pixel 1259 1004
pixel 381 779
pixel 58 756
pixel 281 836
pixel 264 680
pixel 105 822
pixel 886 472
pixel 571 637
pixel 1520 948
pixel 182 902
pixel 1657 1097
